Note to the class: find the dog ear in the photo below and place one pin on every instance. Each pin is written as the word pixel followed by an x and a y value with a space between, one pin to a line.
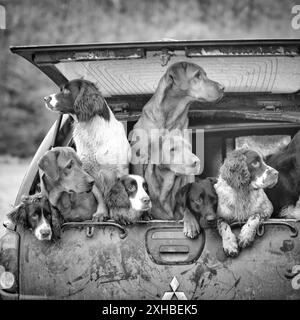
pixel 56 222
pixel 165 84
pixel 182 195
pixel 235 170
pixel 89 102
pixel 19 216
pixel 117 197
pixel 212 180
pixel 48 164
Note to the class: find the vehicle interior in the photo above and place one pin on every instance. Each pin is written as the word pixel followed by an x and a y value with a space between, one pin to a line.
pixel 217 135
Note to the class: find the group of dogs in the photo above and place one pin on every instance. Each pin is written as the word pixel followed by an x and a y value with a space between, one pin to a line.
pixel 93 182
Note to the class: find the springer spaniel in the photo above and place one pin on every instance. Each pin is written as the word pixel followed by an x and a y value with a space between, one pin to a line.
pixel 128 199
pixel 241 197
pixel 100 139
pixel 36 213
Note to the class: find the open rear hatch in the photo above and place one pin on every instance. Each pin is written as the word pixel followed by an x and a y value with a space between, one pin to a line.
pixel 262 78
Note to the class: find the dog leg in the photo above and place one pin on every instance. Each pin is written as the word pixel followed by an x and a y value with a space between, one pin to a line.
pixel 248 232
pixel 291 212
pixel 230 245
pixel 191 226
pixel 167 186
pixel 102 213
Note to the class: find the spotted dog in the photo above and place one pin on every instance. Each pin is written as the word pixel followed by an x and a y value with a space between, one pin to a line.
pixel 241 197
pixel 128 199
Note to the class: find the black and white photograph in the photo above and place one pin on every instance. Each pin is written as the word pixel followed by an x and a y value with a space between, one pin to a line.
pixel 149 153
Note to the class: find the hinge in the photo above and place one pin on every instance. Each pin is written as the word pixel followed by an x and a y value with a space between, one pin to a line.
pixel 119 107
pixel 272 108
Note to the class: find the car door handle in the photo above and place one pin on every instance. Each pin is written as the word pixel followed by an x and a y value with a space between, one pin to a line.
pixel 174 249
pixel 169 246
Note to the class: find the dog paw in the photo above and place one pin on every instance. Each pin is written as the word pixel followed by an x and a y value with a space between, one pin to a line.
pixel 146 217
pixel 246 237
pixel 191 227
pixel 123 221
pixel 230 246
pixel 99 217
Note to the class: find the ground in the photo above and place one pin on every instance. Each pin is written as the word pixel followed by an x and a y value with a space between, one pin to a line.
pixel 12 171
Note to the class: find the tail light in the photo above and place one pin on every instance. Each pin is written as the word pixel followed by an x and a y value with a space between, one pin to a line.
pixel 9 262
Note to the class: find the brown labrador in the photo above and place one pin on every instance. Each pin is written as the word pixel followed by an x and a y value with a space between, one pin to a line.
pixel 67 186
pixel 168 108
pixel 172 160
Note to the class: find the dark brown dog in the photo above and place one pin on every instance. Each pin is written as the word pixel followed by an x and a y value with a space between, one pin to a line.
pixel 196 202
pixel 286 193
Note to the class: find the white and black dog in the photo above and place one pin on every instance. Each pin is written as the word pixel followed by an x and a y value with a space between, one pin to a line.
pixel 36 213
pixel 100 139
pixel 128 199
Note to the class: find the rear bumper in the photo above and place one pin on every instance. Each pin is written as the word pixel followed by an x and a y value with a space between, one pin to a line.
pixel 8 296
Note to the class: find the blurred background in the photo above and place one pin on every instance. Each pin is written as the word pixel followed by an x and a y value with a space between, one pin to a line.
pixel 23 118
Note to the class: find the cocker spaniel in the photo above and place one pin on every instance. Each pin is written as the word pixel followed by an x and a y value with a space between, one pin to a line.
pixel 241 197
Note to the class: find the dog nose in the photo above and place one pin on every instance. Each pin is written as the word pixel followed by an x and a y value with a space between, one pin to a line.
pixel 221 87
pixel 45 233
pixel 91 183
pixel 146 200
pixel 273 172
pixel 196 163
pixel 47 99
pixel 211 218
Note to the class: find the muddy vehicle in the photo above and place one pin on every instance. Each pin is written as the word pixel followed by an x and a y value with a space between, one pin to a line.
pixel 153 259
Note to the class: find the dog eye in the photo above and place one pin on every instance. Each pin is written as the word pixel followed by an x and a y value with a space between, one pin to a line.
pixel 145 186
pixel 131 187
pixel 198 201
pixel 255 164
pixel 198 75
pixel 69 165
pixel 65 90
pixel 34 215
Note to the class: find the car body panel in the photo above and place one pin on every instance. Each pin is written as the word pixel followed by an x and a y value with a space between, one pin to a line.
pixel 111 263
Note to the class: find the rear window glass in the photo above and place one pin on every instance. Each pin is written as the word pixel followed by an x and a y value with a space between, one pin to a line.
pixel 265 145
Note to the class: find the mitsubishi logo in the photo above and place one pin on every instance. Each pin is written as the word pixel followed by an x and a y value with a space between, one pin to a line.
pixel 174 284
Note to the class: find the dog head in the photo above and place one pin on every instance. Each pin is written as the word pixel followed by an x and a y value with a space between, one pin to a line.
pixel 130 191
pixel 191 79
pixel 35 213
pixel 62 171
pixel 244 168
pixel 80 98
pixel 200 198
pixel 175 153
